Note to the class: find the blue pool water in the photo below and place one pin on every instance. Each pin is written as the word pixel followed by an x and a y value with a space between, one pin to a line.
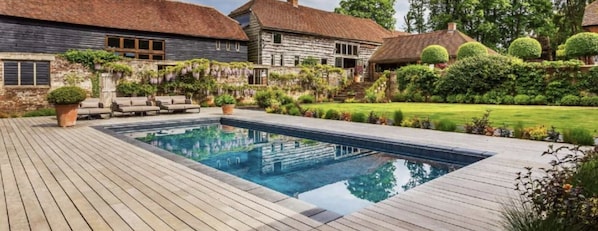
pixel 335 177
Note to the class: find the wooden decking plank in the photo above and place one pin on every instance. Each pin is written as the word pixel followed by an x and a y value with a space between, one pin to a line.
pixel 17 216
pixel 407 215
pixel 326 228
pixel 52 214
pixel 4 222
pixel 364 221
pixel 387 220
pixel 136 174
pixel 340 226
pixel 110 217
pixel 355 225
pixel 459 198
pixel 190 183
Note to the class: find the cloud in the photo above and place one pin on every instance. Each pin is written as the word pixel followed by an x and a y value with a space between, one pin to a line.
pixel 226 6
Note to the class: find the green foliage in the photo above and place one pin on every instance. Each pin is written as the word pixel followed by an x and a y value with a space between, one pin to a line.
pixel 89 58
pixel 471 49
pixel 522 100
pixel 578 136
pixel 306 99
pixel 536 133
pixel 40 112
pixel 95 85
pixel 556 90
pixel 411 123
pixel 332 114
pixel 67 95
pixel 587 173
pixel 445 125
pixel 434 54
pixel 128 88
pixel 525 48
pixel 582 44
pixel 359 117
pixel 555 195
pixel 382 12
pixel 589 81
pixel 397 117
pixel 399 97
pixel 570 100
pixel 224 99
pixel 479 125
pixel 115 67
pixel 417 79
pixel 591 101
pixel 436 99
pixel 476 75
pixel 539 100
pixel 265 98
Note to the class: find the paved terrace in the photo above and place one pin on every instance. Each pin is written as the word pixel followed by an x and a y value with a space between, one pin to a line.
pixel 79 178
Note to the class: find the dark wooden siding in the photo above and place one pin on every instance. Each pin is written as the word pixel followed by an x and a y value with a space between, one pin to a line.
pixel 22 35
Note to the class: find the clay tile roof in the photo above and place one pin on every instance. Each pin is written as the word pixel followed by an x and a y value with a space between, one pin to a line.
pixel 282 16
pixel 590 15
pixel 161 16
pixel 408 48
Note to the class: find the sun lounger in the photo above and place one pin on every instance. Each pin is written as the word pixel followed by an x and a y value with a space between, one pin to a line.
pixel 93 107
pixel 176 103
pixel 133 105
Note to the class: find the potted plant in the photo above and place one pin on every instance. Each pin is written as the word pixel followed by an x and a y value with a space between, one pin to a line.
pixel 227 102
pixel 66 101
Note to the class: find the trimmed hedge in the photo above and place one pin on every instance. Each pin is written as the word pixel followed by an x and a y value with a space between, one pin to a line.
pixel 434 54
pixel 471 49
pixel 525 48
pixel 582 44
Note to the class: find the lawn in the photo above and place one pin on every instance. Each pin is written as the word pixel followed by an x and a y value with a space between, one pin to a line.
pixel 559 117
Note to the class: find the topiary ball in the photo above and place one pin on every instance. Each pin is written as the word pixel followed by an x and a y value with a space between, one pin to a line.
pixel 470 49
pixel 434 54
pixel 525 48
pixel 67 95
pixel 582 44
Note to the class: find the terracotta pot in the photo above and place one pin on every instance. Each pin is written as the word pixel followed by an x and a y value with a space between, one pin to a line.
pixel 66 114
pixel 227 109
pixel 357 78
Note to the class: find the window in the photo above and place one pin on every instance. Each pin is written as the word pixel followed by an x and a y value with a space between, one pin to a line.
pixel 259 76
pixel 277 38
pixel 137 48
pixel 238 46
pixel 296 60
pixel 228 45
pixel 281 60
pixel 271 60
pixel 324 61
pixel 346 49
pixel 217 45
pixel 26 73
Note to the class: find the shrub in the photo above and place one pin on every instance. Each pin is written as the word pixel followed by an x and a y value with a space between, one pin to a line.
pixel 67 95
pixel 294 111
pixel 332 114
pixel 411 123
pixel 518 130
pixel 540 100
pixel 478 99
pixel 556 90
pixel 89 58
pixel 399 97
pixel 471 49
pixel 582 44
pixel 40 112
pixel 416 97
pixel 525 48
pixel 522 100
pixel 417 78
pixel 373 118
pixel 587 173
pixel 451 99
pixel 306 99
pixel 556 199
pixel 476 75
pixel 570 100
pixel 436 99
pixel 462 98
pixel 434 54
pixel 397 117
pixel 536 133
pixel 127 88
pixel 479 125
pixel 508 99
pixel 578 136
pixel 445 125
pixel 370 97
pixel 320 113
pixel 589 101
pixel 264 98
pixel 359 117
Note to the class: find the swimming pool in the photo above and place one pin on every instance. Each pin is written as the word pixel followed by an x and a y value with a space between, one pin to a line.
pixel 334 177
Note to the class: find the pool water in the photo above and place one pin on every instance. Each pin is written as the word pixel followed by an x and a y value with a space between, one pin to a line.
pixel 334 177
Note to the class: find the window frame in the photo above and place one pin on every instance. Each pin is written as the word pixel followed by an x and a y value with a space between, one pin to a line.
pixel 218 45
pixel 346 49
pixel 238 46
pixel 35 79
pixel 136 50
pixel 274 40
pixel 228 45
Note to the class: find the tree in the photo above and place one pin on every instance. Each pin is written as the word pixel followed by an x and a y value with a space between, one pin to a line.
pixel 582 45
pixel 381 11
pixel 525 48
pixel 414 19
pixel 434 54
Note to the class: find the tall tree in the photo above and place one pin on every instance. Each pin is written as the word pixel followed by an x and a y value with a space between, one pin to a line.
pixel 381 11
pixel 414 19
pixel 567 19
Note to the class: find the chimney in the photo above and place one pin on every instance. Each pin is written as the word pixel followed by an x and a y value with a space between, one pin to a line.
pixel 452 26
pixel 295 3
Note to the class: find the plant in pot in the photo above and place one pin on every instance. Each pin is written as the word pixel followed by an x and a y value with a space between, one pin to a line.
pixel 227 102
pixel 66 101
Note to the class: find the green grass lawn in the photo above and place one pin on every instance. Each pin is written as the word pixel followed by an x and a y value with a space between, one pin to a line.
pixel 559 117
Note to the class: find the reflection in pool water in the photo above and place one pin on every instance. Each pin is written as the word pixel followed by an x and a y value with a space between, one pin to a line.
pixel 335 177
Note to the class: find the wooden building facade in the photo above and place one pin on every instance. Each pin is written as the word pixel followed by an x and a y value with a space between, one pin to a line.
pixel 286 33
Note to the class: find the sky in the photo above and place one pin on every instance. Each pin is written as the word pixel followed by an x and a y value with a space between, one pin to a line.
pixel 226 6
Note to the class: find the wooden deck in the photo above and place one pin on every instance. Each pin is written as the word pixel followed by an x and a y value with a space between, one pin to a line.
pixel 82 179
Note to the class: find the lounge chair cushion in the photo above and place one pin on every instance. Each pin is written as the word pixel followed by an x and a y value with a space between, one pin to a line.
pixel 138 103
pixel 89 105
pixel 179 101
